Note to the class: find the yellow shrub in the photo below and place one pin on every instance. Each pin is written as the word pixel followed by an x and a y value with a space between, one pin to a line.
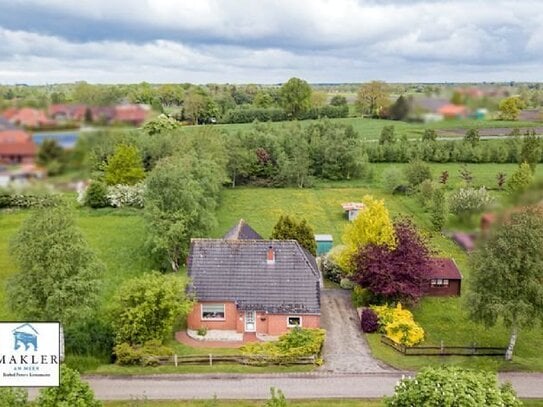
pixel 398 324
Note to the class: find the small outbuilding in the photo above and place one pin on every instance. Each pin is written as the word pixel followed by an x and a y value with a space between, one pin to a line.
pixel 352 209
pixel 445 278
pixel 324 244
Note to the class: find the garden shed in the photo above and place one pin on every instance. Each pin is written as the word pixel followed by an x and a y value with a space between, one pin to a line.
pixel 445 278
pixel 324 244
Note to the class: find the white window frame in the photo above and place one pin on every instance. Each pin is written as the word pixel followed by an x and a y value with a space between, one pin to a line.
pixel 212 319
pixel 440 282
pixel 295 325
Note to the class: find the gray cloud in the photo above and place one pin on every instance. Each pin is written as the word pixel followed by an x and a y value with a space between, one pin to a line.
pixel 269 40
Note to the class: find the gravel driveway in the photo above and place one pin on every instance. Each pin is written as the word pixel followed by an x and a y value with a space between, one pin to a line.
pixel 345 349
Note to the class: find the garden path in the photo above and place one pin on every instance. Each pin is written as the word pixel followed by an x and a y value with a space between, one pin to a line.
pixel 345 348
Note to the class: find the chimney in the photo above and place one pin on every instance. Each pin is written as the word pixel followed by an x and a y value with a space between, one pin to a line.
pixel 270 259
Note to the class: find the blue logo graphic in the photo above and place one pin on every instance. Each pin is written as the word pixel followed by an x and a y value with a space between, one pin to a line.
pixel 25 335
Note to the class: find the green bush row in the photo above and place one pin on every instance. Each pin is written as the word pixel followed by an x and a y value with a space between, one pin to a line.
pixel 145 355
pixel 10 199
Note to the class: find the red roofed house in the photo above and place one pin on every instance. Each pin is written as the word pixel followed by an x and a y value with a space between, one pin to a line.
pixel 29 117
pixel 16 147
pixel 131 114
pixel 445 278
pixel 451 111
pixel 63 112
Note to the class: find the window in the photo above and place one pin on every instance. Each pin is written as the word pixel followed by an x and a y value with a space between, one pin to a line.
pixel 212 311
pixel 439 282
pixel 294 321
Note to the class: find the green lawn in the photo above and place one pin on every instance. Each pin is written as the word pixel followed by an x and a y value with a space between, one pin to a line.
pixel 370 129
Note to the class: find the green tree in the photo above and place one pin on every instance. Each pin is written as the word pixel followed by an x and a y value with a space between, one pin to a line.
pixel 438 210
pixel 145 308
pixel 418 171
pixel 295 97
pixel 180 200
pixel 372 97
pixel 510 108
pixel 195 104
pixel 96 195
pixel 58 276
pixel 372 225
pixel 51 155
pixel 299 230
pixel 387 135
pixel 263 99
pixel 72 392
pixel 13 397
pixel 453 387
pixel 520 180
pixel 472 137
pixel 338 100
pixel 162 124
pixel 399 109
pixel 124 166
pixel 531 149
pixel 507 275
pixel 429 135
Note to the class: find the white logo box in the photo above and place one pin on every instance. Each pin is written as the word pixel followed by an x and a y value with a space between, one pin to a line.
pixel 29 354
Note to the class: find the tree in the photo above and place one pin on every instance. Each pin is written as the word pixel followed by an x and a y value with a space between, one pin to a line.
pixel 398 273
pixel 295 97
pixel 51 155
pixel 371 226
pixel 145 308
pixel 162 124
pixel 372 97
pixel 510 108
pixel 399 109
pixel 96 195
pixel 472 137
pixel 338 100
pixel 453 387
pixel 418 171
pixel 195 104
pixel 438 210
pixel 466 175
pixel 72 392
pixel 263 99
pixel 58 275
pixel 180 200
pixel 501 177
pixel 429 135
pixel 387 135
pixel 520 180
pixel 531 149
pixel 124 166
pixel 507 274
pixel 291 228
pixel 444 177
pixel 318 99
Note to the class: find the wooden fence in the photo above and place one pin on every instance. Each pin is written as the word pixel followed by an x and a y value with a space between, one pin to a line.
pixel 443 350
pixel 211 359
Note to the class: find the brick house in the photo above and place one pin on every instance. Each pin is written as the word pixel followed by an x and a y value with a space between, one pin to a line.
pixel 445 278
pixel 17 147
pixel 250 285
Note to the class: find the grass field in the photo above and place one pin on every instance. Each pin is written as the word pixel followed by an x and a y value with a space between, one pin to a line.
pixel 370 129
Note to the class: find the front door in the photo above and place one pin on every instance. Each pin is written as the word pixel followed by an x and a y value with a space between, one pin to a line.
pixel 250 321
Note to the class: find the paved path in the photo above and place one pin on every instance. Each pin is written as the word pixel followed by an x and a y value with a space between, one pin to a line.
pixel 345 349
pixel 295 386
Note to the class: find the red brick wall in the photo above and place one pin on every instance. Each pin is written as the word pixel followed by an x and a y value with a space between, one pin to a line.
pixel 194 319
pixel 277 324
pixel 452 290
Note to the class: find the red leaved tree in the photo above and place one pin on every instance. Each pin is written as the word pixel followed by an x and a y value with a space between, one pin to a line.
pixel 398 274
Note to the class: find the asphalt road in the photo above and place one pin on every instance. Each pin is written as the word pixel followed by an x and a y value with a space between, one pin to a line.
pixel 295 386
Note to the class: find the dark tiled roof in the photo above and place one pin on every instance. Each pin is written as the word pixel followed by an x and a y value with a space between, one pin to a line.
pixel 444 268
pixel 242 231
pixel 237 270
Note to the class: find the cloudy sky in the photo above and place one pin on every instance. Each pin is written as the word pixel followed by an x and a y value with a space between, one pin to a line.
pixel 268 41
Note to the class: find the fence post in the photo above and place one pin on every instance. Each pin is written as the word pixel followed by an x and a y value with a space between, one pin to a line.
pixel 210 359
pixel 175 359
pixel 442 347
pixel 474 344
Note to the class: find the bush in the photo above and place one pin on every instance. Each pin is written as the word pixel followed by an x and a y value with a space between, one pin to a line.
pixel 146 355
pixel 369 321
pixel 296 343
pixel 426 192
pixel 89 337
pixel 398 324
pixel 244 115
pixel 453 386
pixel 121 195
pixel 96 195
pixel 393 177
pixel 417 171
pixel 13 397
pixel 9 199
pixel 277 399
pixel 361 297
pixel 468 201
pixel 329 267
pixel 346 284
pixel 72 392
